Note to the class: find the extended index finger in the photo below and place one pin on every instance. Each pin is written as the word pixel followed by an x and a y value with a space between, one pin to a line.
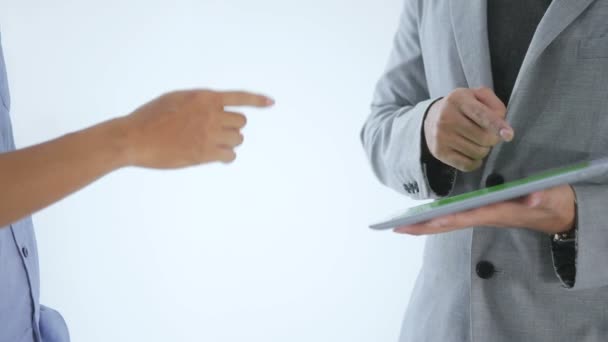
pixel 243 98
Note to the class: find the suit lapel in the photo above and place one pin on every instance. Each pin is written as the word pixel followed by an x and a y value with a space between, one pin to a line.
pixel 559 15
pixel 469 22
pixel 470 25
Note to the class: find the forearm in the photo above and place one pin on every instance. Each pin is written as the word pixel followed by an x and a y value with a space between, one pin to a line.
pixel 35 177
pixel 392 134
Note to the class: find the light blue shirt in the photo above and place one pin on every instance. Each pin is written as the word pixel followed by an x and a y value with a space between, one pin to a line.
pixel 22 319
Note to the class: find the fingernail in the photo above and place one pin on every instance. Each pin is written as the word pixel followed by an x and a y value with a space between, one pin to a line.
pixel 506 134
pixel 269 101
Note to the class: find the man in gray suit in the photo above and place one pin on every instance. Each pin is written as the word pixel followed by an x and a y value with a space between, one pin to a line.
pixel 532 269
pixel 176 130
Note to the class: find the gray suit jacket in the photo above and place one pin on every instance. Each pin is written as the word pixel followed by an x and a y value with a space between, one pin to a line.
pixel 559 110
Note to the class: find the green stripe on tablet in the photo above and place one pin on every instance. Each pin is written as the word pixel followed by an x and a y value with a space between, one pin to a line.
pixel 498 193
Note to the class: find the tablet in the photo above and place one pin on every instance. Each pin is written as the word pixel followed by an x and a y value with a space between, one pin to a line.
pixel 510 190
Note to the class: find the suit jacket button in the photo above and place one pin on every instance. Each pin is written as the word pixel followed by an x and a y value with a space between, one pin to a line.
pixel 25 252
pixel 485 270
pixel 494 180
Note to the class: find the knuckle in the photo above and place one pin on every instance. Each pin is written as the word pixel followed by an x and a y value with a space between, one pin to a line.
pixel 482 119
pixel 193 95
pixel 502 112
pixel 444 155
pixel 445 122
pixel 459 166
pixel 485 152
pixel 477 111
pixel 208 97
pixel 443 139
pixel 171 94
pixel 489 140
pixel 485 90
pixel 444 117
pixel 481 152
pixel 433 148
pixel 462 92
pixel 494 124
pixel 453 97
pixel 206 120
pixel 474 165
pixel 181 92
pixel 439 127
pixel 173 98
pixel 465 165
pixel 215 99
pixel 469 168
pixel 458 91
pixel 484 140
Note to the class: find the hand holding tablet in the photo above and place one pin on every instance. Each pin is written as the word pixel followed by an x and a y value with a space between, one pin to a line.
pixel 551 179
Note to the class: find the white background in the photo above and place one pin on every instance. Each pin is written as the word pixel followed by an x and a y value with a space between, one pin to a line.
pixel 272 248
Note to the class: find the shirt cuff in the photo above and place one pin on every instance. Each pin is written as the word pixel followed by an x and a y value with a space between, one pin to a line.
pixel 564 261
pixel 564 249
pixel 440 176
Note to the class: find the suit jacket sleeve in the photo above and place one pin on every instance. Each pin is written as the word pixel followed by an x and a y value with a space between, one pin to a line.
pixel 392 135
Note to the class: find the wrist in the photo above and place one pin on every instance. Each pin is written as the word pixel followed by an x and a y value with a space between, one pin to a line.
pixel 569 232
pixel 116 142
pixel 426 128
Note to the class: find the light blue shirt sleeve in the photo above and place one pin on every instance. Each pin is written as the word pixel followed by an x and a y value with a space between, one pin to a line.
pixel 21 316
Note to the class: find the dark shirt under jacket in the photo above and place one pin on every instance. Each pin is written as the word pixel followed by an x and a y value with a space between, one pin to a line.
pixel 511 27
